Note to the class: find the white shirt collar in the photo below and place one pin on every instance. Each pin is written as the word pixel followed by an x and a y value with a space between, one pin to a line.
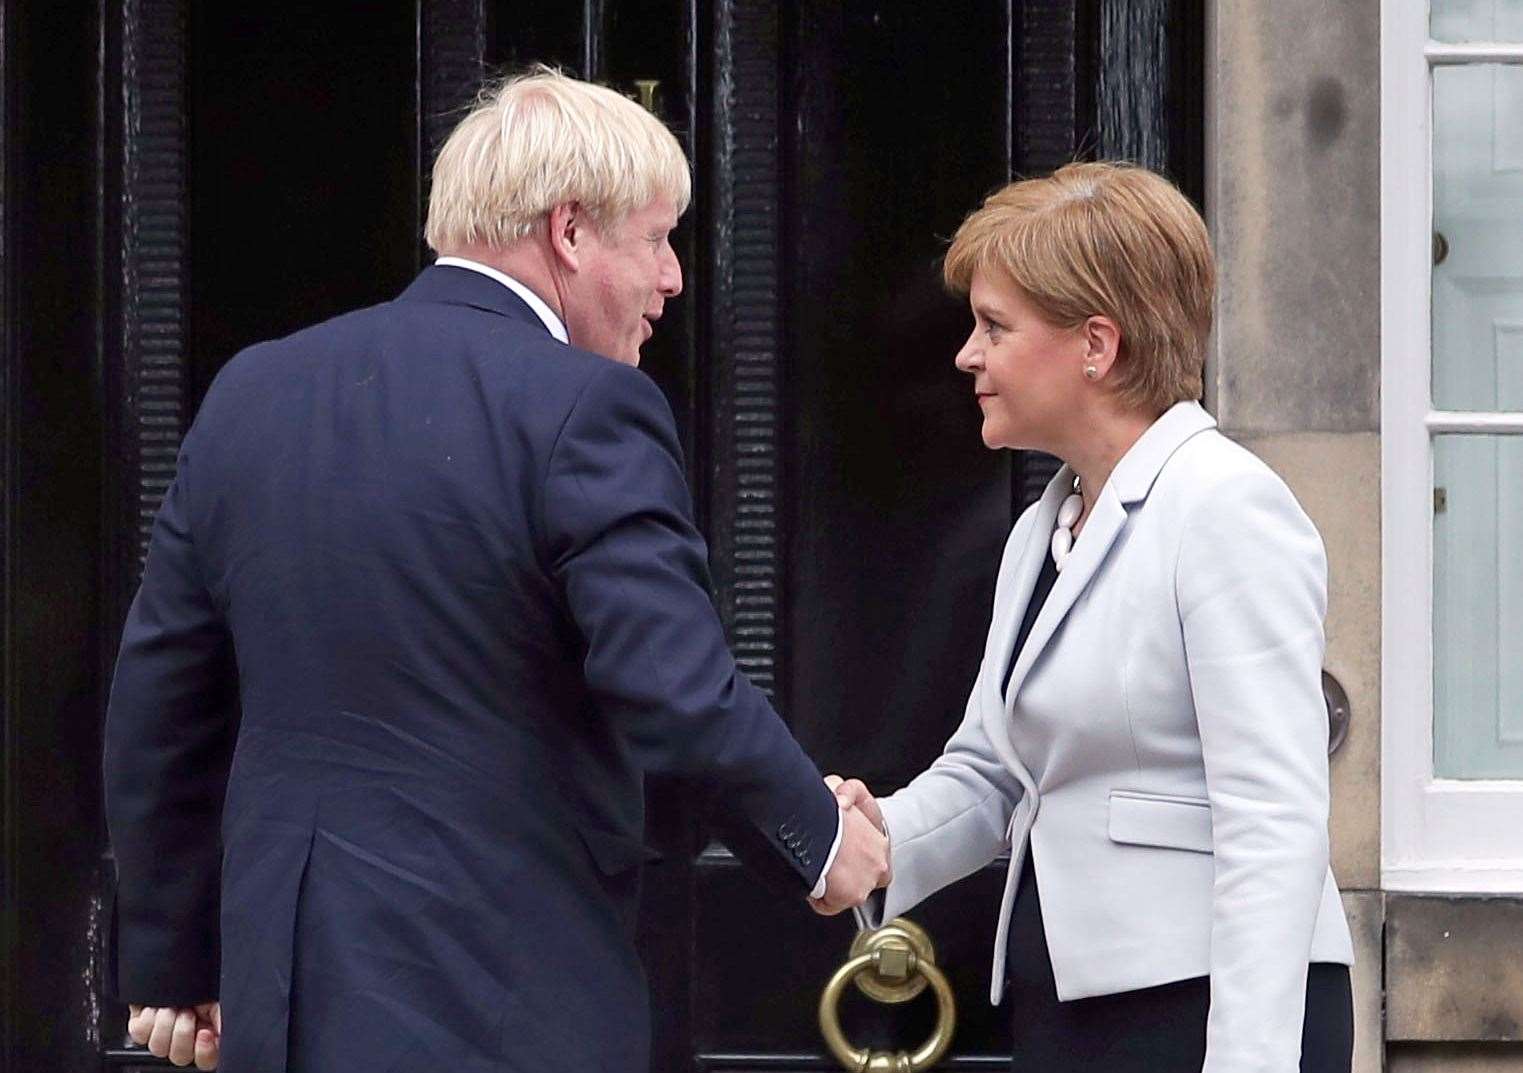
pixel 532 300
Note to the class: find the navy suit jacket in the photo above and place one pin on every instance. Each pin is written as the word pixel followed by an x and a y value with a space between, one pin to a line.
pixel 423 604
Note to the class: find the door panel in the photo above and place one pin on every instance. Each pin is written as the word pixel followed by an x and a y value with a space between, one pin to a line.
pixel 302 201
pixel 898 511
pixel 259 170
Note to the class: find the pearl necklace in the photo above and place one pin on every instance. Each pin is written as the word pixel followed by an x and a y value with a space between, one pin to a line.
pixel 1063 535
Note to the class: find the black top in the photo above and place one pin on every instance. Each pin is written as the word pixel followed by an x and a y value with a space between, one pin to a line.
pixel 1044 583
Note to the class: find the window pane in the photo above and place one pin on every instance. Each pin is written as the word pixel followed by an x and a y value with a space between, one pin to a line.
pixel 1478 211
pixel 1477 20
pixel 1478 607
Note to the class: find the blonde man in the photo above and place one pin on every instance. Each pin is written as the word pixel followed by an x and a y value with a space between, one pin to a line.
pixel 449 540
pixel 1147 734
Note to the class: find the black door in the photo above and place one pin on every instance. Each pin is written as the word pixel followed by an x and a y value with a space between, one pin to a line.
pixel 188 178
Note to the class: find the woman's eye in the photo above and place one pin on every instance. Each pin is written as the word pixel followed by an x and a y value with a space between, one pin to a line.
pixel 993 331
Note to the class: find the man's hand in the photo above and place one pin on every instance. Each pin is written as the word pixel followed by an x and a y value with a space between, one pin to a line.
pixel 861 865
pixel 181 1034
pixel 852 793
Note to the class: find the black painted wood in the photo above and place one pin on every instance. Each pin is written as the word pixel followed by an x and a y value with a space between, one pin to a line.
pixel 1130 121
pixel 1053 46
pixel 52 445
pixel 899 513
pixel 524 32
pixel 1148 102
pixel 303 199
pixel 452 44
pixel 153 245
pixel 146 373
pixel 745 420
pixel 10 858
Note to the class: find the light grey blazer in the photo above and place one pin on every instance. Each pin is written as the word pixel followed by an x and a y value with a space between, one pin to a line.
pixel 1163 749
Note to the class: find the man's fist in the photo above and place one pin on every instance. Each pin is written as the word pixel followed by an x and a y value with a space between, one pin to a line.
pixel 182 1034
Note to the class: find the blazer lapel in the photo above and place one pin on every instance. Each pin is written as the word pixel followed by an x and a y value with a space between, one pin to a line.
pixel 1129 483
pixel 1021 579
pixel 1022 576
pixel 1105 523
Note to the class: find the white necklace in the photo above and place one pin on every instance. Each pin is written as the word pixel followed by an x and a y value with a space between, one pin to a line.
pixel 1063 535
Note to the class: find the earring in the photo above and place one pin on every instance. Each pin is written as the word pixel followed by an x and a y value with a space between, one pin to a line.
pixel 1091 372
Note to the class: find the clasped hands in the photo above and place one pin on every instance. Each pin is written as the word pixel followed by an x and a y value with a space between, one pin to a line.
pixel 862 863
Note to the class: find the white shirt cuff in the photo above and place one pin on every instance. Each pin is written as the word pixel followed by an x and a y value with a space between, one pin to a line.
pixel 835 847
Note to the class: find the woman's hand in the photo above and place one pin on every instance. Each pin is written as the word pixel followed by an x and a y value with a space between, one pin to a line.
pixel 852 793
pixel 183 1035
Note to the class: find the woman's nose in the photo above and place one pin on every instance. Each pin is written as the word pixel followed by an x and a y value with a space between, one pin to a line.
pixel 969 357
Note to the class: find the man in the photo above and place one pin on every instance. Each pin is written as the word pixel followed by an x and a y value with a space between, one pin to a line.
pixel 447 545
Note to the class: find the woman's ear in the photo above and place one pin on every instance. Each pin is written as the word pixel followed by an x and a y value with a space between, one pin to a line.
pixel 1102 344
pixel 567 231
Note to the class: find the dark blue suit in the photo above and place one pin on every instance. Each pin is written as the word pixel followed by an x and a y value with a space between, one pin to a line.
pixel 449 567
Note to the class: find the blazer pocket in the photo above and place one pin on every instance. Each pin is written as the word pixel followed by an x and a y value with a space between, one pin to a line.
pixel 1140 819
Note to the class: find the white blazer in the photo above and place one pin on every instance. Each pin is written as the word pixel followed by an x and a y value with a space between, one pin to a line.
pixel 1163 748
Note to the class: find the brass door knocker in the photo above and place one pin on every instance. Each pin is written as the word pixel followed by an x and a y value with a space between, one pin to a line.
pixel 890 965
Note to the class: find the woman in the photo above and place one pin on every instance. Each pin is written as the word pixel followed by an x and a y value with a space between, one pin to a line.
pixel 1147 731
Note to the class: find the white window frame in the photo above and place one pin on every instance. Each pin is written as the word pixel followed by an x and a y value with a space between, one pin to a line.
pixel 1437 834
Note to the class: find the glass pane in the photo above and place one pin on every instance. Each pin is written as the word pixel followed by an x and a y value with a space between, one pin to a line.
pixel 1478 211
pixel 1477 20
pixel 1478 607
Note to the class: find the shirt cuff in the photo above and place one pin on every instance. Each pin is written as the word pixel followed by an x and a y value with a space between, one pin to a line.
pixel 835 847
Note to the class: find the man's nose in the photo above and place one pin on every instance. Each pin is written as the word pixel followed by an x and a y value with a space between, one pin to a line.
pixel 671 275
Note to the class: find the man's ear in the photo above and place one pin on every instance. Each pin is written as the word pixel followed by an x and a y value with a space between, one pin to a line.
pixel 568 230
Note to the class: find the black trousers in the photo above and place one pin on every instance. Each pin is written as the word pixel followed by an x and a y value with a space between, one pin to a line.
pixel 1152 1030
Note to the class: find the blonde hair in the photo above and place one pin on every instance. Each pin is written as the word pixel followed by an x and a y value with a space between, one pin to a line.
pixel 1107 239
pixel 539 140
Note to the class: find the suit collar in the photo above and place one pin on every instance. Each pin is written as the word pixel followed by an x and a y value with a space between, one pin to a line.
pixel 450 285
pixel 1134 475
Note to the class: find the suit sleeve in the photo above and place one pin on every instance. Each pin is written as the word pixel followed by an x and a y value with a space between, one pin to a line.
pixel 954 817
pixel 634 571
pixel 166 753
pixel 1252 591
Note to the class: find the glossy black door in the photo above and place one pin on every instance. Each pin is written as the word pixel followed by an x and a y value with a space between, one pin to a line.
pixel 184 179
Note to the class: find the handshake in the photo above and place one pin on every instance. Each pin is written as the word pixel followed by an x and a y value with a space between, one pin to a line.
pixel 861 865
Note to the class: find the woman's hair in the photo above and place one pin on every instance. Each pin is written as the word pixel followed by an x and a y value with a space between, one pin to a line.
pixel 539 140
pixel 1106 239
